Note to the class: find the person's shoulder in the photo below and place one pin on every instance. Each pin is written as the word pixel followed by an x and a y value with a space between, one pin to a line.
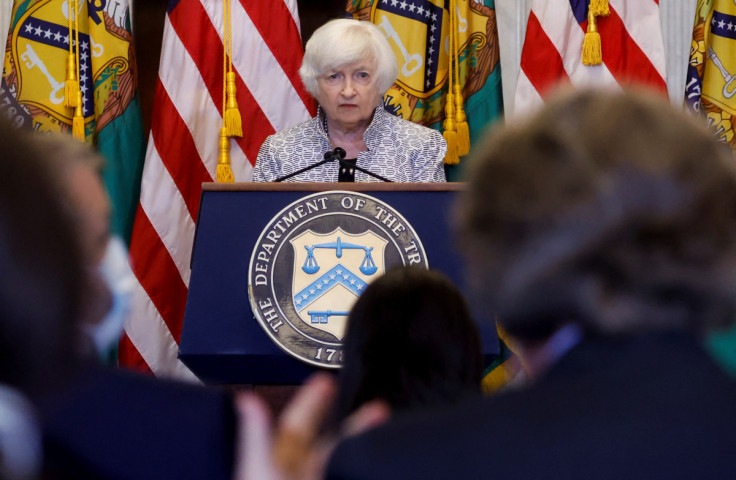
pixel 403 125
pixel 408 131
pixel 165 417
pixel 409 446
pixel 122 387
pixel 297 130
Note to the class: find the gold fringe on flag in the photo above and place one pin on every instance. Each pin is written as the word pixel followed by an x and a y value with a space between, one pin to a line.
pixel 224 173
pixel 231 113
pixel 592 53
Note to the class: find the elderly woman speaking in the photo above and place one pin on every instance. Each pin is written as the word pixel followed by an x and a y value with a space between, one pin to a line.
pixel 348 66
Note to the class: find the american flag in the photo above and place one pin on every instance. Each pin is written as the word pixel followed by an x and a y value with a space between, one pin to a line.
pixel 183 150
pixel 631 43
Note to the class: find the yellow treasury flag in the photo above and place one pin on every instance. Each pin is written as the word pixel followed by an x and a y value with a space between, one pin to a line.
pixel 711 77
pixel 711 91
pixel 60 51
pixel 420 34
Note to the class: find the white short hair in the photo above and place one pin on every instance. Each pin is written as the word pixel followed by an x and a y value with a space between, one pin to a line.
pixel 343 41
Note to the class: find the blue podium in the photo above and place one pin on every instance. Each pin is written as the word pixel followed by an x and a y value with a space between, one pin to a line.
pixel 222 342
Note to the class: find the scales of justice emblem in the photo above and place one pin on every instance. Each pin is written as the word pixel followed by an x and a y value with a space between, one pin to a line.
pixel 330 273
pixel 312 262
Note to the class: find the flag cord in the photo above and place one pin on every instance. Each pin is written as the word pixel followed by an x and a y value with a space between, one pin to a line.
pixel 461 123
pixel 450 133
pixel 71 85
pixel 231 114
pixel 231 122
pixel 78 119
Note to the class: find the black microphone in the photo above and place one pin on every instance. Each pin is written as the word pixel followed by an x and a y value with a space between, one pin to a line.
pixel 339 154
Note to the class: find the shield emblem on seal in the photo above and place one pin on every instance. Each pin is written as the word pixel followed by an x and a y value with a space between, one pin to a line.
pixel 330 272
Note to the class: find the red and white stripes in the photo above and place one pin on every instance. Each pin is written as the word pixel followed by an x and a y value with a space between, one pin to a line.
pixel 632 48
pixel 183 150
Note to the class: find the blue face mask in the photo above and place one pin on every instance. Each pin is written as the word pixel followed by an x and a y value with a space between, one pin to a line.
pixel 119 279
pixel 20 436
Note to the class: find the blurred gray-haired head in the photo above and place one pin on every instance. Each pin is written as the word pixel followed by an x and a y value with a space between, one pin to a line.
pixel 614 211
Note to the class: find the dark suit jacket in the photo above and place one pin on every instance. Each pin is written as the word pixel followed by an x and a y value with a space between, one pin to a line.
pixel 652 407
pixel 111 424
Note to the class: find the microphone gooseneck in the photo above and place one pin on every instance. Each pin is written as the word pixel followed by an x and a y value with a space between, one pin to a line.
pixel 338 154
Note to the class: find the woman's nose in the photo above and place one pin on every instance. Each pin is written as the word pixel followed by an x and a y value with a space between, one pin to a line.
pixel 347 89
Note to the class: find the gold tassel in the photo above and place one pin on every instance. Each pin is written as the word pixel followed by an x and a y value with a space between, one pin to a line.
pixel 592 50
pixel 233 121
pixel 71 86
pixel 599 8
pixel 78 120
pixel 224 172
pixel 461 124
pixel 450 135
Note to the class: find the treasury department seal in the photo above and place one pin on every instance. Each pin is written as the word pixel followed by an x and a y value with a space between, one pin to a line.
pixel 314 259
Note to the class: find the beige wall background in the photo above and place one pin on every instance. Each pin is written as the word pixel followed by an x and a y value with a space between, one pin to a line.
pixel 5 18
pixel 677 20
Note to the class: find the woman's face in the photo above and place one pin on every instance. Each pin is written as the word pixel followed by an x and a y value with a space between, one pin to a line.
pixel 348 94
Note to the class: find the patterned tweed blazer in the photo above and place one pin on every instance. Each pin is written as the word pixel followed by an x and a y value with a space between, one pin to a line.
pixel 398 149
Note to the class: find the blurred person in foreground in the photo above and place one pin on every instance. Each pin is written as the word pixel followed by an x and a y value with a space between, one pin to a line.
pixel 95 421
pixel 348 66
pixel 78 170
pixel 602 231
pixel 41 282
pixel 410 341
pixel 603 234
